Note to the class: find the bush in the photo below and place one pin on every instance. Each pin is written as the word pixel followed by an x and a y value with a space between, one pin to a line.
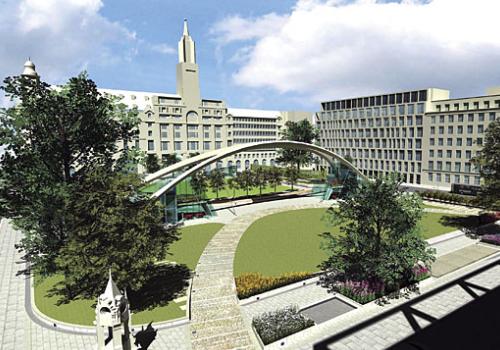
pixel 365 291
pixel 448 197
pixel 493 239
pixel 253 283
pixel 361 291
pixel 274 325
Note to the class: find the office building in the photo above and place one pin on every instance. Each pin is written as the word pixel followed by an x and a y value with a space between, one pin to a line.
pixel 423 135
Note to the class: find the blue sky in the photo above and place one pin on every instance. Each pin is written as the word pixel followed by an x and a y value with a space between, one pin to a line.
pixel 270 54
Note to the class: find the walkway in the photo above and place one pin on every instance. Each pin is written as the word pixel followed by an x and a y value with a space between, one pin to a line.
pixel 216 318
pixel 376 326
pixel 18 331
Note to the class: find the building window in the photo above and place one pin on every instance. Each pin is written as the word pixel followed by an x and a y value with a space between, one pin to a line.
pixel 164 145
pixel 206 145
pixel 218 144
pixel 459 142
pixel 192 146
pixel 177 145
pixel 151 145
pixel 457 179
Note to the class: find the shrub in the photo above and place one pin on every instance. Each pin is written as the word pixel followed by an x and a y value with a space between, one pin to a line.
pixel 361 291
pixel 278 324
pixel 253 283
pixel 365 291
pixel 493 239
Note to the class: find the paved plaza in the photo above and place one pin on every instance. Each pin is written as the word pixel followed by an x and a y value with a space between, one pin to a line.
pixel 220 321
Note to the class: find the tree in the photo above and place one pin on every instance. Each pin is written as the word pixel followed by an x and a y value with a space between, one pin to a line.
pixel 152 163
pixel 489 164
pixel 52 136
pixel 291 174
pixel 244 179
pixel 169 159
pixel 217 181
pixel 199 183
pixel 232 184
pixel 274 176
pixel 302 131
pixel 380 240
pixel 111 225
pixel 259 175
pixel 129 160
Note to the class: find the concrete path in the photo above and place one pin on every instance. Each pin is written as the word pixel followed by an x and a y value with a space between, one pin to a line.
pixel 217 321
pixel 19 331
pixel 374 326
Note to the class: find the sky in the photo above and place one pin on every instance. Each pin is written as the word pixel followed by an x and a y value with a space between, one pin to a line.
pixel 268 54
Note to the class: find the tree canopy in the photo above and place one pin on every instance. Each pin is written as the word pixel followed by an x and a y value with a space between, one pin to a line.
pixel 489 163
pixel 52 137
pixel 111 226
pixel 302 131
pixel 380 239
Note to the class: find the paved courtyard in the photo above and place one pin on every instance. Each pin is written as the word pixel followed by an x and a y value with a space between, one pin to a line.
pixel 19 332
pixel 220 321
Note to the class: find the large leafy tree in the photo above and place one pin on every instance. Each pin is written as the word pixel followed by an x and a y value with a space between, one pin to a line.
pixel 489 162
pixel 291 174
pixel 217 181
pixel 302 131
pixel 380 240
pixel 260 177
pixel 111 226
pixel 52 136
pixel 199 183
pixel 274 175
pixel 152 163
pixel 245 180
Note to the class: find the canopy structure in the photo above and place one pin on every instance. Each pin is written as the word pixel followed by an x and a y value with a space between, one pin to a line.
pixel 185 168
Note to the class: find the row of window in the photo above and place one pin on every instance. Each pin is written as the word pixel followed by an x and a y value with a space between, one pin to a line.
pixel 374 112
pixel 190 145
pixel 458 179
pixel 402 97
pixel 387 154
pixel 458 141
pixel 374 143
pixel 349 124
pixel 467 105
pixel 460 118
pixel 460 129
pixel 254 126
pixel 380 132
pixel 388 165
pixel 255 120
pixel 254 133
pixel 449 153
pixel 447 166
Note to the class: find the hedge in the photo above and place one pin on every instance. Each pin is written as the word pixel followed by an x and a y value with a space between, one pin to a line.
pixel 253 283
pixel 274 325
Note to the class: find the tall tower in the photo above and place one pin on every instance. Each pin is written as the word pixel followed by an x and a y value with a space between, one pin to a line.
pixel 112 313
pixel 188 83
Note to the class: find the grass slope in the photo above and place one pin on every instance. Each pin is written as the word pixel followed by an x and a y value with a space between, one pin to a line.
pixel 186 250
pixel 289 241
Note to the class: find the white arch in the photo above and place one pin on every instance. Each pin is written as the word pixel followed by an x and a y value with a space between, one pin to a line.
pixel 202 160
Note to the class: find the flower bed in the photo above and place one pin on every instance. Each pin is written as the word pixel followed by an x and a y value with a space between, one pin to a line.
pixel 493 239
pixel 249 284
pixel 274 325
pixel 366 291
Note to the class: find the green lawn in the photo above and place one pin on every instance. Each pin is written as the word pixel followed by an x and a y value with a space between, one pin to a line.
pixel 187 251
pixel 290 242
pixel 184 188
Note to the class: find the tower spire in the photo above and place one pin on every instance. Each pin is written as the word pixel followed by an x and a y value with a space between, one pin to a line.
pixel 186 31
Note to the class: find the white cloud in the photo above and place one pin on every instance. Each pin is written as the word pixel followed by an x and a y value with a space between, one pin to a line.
pixel 62 37
pixel 333 49
pixel 163 49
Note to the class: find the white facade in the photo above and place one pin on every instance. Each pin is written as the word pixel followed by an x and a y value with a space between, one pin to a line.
pixel 186 124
